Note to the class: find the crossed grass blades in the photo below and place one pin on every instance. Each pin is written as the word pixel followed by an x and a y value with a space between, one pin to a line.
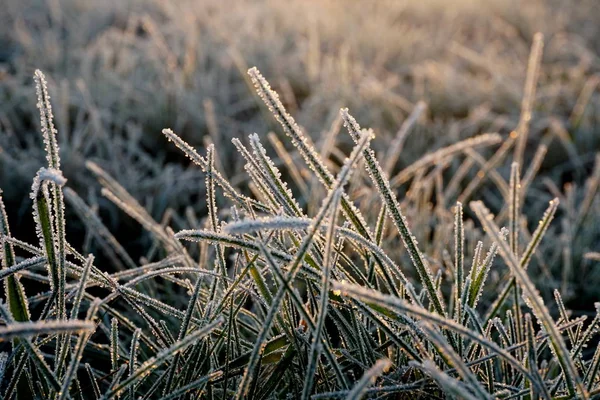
pixel 279 302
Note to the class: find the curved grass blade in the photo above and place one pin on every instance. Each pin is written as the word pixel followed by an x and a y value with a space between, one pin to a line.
pixel 447 383
pixel 455 361
pixel 383 303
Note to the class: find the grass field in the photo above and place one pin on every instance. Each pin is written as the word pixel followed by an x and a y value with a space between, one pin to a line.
pixel 304 199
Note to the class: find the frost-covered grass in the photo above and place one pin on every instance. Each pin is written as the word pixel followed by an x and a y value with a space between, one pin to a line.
pixel 120 70
pixel 325 273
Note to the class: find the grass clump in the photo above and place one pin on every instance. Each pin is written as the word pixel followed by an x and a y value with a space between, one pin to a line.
pixel 302 298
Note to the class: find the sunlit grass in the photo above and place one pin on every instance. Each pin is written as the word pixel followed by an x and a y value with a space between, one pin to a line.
pixel 332 295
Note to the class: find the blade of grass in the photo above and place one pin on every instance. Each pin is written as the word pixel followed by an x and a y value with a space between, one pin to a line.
pixel 161 357
pixel 358 391
pixel 393 207
pixel 534 300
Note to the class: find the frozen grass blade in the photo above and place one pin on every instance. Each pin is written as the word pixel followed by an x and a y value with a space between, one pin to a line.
pixel 514 209
pixel 536 238
pixel 161 357
pixel 119 196
pixel 583 339
pixel 486 139
pixel 82 340
pixel 533 299
pixel 593 183
pixel 47 120
pixel 593 370
pixel 341 180
pixel 193 385
pixel 393 207
pixel 211 200
pixel 358 391
pixel 3 362
pixel 133 353
pixel 446 382
pixel 53 175
pixel 229 191
pixel 396 145
pixel 315 347
pixel 477 269
pixel 262 186
pixel 532 361
pixel 459 256
pixel 13 289
pixel 273 177
pixel 114 344
pixel 29 329
pixel 95 387
pixel 108 242
pixel 43 220
pixel 288 160
pixel 23 265
pixel 485 170
pixel 533 168
pixel 381 303
pixel 513 223
pixel 454 360
pixel 81 290
pixel 533 70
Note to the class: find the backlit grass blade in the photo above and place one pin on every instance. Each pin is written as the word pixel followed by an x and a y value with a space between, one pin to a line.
pixel 189 151
pixel 533 70
pixel 536 238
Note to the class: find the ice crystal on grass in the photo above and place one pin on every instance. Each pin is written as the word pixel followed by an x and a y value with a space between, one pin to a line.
pixel 47 120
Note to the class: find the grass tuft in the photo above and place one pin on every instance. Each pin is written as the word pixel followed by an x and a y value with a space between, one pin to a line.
pixel 292 280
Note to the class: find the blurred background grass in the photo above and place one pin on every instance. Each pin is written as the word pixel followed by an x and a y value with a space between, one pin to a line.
pixel 120 71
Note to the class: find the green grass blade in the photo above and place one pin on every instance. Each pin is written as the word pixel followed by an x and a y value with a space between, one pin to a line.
pixel 14 291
